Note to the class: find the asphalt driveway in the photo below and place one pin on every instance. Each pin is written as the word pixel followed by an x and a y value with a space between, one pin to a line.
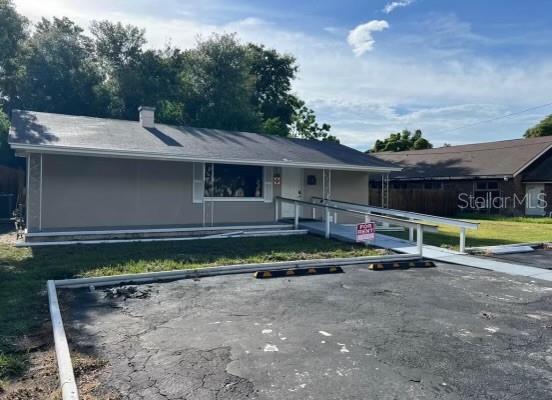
pixel 539 258
pixel 443 333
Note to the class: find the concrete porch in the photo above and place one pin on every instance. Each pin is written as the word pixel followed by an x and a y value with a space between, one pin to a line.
pixel 156 233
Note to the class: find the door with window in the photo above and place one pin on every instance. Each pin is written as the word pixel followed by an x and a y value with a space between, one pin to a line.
pixel 535 201
pixel 292 188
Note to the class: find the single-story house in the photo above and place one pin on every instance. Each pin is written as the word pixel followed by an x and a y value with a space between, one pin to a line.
pixel 512 177
pixel 86 174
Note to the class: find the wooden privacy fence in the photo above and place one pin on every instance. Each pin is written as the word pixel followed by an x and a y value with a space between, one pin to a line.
pixel 434 202
pixel 12 181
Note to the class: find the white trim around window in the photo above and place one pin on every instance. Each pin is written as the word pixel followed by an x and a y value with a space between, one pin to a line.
pixel 262 198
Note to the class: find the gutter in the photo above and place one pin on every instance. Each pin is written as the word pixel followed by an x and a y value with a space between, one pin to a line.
pixel 452 178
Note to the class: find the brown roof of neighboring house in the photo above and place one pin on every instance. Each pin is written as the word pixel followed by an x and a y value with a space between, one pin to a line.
pixel 503 158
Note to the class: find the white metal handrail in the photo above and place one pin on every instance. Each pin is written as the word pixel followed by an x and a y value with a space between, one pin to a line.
pixel 418 225
pixel 412 216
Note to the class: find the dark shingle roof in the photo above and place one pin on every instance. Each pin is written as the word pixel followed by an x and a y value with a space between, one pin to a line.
pixel 101 135
pixel 503 158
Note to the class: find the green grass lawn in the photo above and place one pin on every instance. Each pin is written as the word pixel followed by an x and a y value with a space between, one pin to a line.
pixel 23 273
pixel 493 230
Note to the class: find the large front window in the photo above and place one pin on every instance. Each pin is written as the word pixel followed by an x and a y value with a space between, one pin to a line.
pixel 232 181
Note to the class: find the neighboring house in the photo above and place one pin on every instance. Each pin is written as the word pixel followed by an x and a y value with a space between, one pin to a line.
pixel 514 177
pixel 87 174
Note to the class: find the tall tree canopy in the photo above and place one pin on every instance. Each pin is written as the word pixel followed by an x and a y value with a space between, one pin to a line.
pixel 220 83
pixel 60 72
pixel 272 96
pixel 13 33
pixel 7 156
pixel 402 141
pixel 543 128
pixel 118 51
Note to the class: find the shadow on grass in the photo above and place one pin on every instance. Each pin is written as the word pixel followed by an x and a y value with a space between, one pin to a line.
pixel 24 272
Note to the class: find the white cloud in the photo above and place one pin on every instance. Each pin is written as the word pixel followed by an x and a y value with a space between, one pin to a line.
pixel 361 39
pixel 389 7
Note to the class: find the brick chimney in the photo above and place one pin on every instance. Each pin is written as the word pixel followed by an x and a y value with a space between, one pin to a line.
pixel 147 116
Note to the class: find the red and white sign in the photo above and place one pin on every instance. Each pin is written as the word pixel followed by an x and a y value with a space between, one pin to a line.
pixel 366 231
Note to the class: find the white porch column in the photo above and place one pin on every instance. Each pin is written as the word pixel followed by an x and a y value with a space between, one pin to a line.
pixel 327 223
pixel 420 238
pixel 462 240
pixel 296 217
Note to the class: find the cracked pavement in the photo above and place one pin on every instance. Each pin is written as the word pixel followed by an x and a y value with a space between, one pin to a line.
pixel 444 333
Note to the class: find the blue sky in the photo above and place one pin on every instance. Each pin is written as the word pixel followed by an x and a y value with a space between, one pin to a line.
pixel 374 67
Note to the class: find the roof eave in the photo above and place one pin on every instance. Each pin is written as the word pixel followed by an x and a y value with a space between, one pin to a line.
pixel 452 178
pixel 49 149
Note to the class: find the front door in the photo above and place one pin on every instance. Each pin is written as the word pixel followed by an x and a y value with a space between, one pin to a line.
pixel 292 180
pixel 534 200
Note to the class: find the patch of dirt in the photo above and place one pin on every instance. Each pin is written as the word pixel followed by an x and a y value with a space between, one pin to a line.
pixel 41 381
pixel 8 237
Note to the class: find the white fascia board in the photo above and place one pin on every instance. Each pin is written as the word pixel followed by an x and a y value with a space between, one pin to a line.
pixel 452 178
pixel 175 157
pixel 538 182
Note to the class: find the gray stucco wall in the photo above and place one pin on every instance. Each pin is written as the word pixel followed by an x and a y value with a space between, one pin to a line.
pixel 78 192
pixel 94 192
pixel 350 186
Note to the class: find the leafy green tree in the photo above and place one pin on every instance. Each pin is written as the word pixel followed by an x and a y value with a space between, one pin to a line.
pixel 421 144
pixel 218 85
pixel 13 31
pixel 221 83
pixel 61 74
pixel 304 125
pixel 274 126
pixel 543 128
pixel 118 49
pixel 170 112
pixel 402 141
pixel 7 155
pixel 117 45
pixel 273 73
